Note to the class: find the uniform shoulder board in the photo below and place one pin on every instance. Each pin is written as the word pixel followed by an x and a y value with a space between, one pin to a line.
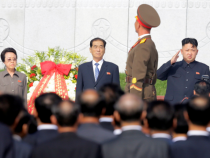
pixel 143 40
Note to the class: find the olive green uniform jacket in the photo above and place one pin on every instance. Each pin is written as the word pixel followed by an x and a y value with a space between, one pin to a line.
pixel 142 64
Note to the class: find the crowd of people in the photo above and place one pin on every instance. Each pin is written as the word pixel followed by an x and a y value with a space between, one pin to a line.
pixel 106 123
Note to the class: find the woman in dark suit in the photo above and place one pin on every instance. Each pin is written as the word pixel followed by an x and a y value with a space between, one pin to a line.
pixel 11 81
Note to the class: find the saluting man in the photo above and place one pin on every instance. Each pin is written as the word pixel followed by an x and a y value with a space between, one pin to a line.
pixel 142 58
pixel 181 76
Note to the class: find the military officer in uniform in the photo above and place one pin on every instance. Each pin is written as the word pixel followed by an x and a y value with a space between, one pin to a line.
pixel 182 76
pixel 142 58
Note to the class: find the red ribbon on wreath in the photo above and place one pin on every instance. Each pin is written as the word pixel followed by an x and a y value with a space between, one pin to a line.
pixel 48 68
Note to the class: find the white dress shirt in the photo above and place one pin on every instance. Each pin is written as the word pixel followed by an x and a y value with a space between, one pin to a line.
pixel 117 131
pixel 197 133
pixel 99 66
pixel 161 135
pixel 143 35
pixel 208 129
pixel 17 137
pixel 131 127
pixel 181 138
pixel 44 127
pixel 105 119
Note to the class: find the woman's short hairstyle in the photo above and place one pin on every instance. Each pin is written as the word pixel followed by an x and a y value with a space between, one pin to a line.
pixel 5 51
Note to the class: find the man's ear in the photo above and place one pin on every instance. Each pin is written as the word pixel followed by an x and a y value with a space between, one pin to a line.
pixel 103 111
pixel 143 115
pixel 146 124
pixel 194 92
pixel 117 116
pixel 186 116
pixel 53 120
pixel 174 123
pixel 80 118
pixel 35 113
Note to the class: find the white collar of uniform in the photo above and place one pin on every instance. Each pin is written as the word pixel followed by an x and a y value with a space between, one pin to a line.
pixel 100 62
pixel 197 133
pixel 131 127
pixel 49 126
pixel 161 135
pixel 105 119
pixel 208 129
pixel 143 35
pixel 117 131
pixel 180 138
pixel 17 137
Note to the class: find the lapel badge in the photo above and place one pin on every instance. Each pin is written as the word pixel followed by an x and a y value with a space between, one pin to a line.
pixel 108 73
pixel 19 81
pixel 197 73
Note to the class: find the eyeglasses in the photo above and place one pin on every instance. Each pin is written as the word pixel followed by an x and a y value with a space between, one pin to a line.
pixel 10 60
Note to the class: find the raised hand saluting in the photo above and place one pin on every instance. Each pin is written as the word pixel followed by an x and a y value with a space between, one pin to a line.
pixel 175 57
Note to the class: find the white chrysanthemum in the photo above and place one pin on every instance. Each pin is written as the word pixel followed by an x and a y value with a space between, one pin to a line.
pixel 28 68
pixel 29 96
pixel 35 83
pixel 31 89
pixel 73 66
pixel 71 75
pixel 52 58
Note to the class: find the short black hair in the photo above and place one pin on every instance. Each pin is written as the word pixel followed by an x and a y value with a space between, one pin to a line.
pixel 192 41
pixel 43 105
pixel 92 109
pixel 182 126
pixel 199 111
pixel 112 92
pixel 202 88
pixel 10 107
pixel 7 50
pixel 23 119
pixel 67 116
pixel 133 113
pixel 97 39
pixel 160 115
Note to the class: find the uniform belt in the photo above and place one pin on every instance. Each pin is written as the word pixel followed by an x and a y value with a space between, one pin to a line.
pixel 148 81
pixel 128 79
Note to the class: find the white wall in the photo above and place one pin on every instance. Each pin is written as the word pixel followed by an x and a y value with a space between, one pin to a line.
pixel 29 25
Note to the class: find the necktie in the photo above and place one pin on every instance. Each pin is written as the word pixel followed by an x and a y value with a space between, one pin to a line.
pixel 96 71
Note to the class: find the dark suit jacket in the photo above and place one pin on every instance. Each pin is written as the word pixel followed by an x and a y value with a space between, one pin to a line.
pixel 6 143
pixel 94 132
pixel 193 147
pixel 40 137
pixel 107 125
pixel 181 79
pixel 22 149
pixel 86 79
pixel 67 145
pixel 134 144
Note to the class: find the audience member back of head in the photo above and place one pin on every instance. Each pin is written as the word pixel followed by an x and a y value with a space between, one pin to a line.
pixel 132 142
pixel 112 93
pixel 91 103
pixel 67 143
pixel 42 113
pixel 198 141
pixel 160 120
